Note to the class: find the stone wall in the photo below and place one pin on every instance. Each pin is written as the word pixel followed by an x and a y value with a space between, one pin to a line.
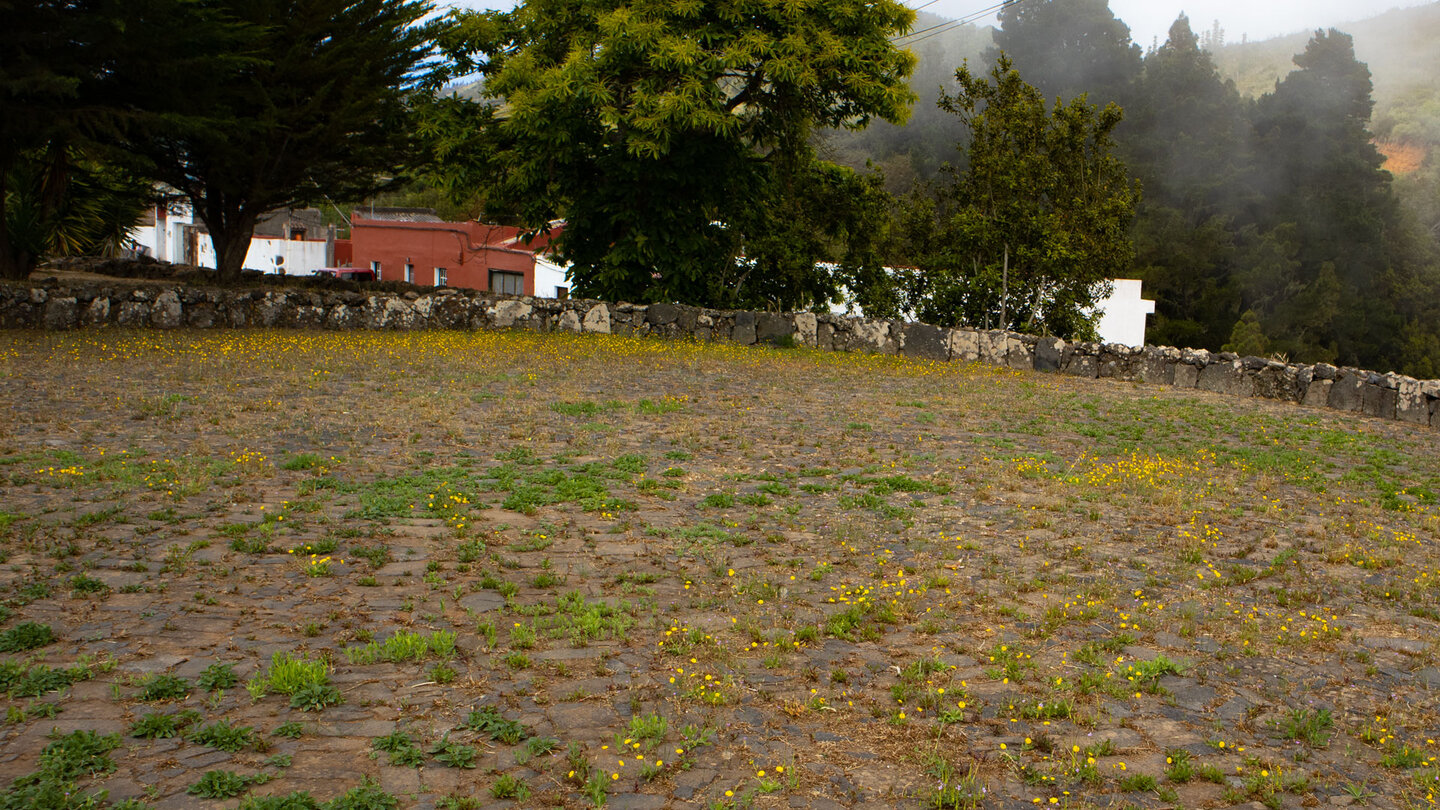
pixel 58 306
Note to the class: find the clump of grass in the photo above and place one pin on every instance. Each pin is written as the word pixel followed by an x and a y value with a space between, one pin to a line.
pixel 488 720
pixel 217 676
pixel 224 736
pixel 156 726
pixel 302 461
pixel 163 687
pixel 1311 726
pixel 26 636
pixel 453 754
pixel 287 675
pixel 402 749
pixel 405 646
pixel 510 787
pixel 291 730
pixel 219 785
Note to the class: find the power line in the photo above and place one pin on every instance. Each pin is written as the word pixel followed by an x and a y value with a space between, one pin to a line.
pixel 941 28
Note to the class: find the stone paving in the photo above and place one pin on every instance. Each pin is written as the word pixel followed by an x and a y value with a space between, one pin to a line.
pixel 839 581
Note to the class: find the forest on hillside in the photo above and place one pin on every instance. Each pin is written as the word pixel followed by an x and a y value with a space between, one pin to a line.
pixel 1290 213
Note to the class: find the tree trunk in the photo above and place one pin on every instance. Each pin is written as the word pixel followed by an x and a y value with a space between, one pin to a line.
pixel 1004 287
pixel 230 233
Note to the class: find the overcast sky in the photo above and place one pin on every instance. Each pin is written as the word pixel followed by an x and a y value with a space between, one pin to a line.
pixel 1148 19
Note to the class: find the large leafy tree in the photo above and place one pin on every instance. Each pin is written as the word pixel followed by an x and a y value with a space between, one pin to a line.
pixel 313 102
pixel 1037 222
pixel 657 129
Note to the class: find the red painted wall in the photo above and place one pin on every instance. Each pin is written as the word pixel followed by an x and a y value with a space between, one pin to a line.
pixel 344 253
pixel 464 249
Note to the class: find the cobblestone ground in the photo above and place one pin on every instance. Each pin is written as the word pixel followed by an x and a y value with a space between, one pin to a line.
pixel 560 571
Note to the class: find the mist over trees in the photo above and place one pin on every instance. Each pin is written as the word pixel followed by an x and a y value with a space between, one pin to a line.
pixel 1265 225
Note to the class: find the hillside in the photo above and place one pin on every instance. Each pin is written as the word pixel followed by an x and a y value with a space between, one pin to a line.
pixel 1399 47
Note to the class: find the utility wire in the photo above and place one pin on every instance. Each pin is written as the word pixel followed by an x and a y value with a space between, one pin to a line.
pixel 941 28
pixel 950 23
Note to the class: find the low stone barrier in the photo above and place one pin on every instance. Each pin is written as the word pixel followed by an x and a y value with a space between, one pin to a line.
pixel 56 306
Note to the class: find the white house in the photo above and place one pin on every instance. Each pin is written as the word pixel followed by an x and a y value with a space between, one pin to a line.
pixel 1122 315
pixel 285 242
pixel 550 278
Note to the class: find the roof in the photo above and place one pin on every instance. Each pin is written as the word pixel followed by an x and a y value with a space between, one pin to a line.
pixel 281 223
pixel 398 214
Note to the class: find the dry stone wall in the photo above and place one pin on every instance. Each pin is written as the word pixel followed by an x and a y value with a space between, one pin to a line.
pixel 56 306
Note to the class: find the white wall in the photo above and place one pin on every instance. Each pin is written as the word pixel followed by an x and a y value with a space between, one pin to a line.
pixel 302 257
pixel 549 276
pixel 1122 315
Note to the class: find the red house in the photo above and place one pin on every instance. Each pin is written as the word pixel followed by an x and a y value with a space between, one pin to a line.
pixel 415 245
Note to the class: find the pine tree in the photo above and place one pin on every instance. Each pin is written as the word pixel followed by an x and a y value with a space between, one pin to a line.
pixel 313 102
pixel 1069 47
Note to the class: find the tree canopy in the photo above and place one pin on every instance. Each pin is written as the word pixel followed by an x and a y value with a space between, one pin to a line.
pixel 1066 48
pixel 313 103
pixel 1026 236
pixel 656 129
pixel 56 102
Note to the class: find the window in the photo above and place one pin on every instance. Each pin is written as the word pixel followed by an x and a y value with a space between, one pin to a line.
pixel 409 273
pixel 439 277
pixel 376 267
pixel 507 283
pixel 562 293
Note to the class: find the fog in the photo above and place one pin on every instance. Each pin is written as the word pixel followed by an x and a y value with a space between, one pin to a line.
pixel 1149 19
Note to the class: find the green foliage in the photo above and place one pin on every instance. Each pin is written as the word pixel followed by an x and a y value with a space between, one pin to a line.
pixel 488 720
pixel 224 736
pixel 26 636
pixel 291 730
pixel 274 114
pixel 401 748
pixel 673 138
pixel 314 697
pixel 288 675
pixel 302 461
pixel 1247 338
pixel 295 800
pixel 1311 726
pixel 58 108
pixel 1069 48
pixel 1027 236
pixel 163 687
pixel 368 796
pixel 217 676
pixel 452 754
pixel 79 753
pixel 155 726
pixel 510 787
pixel 405 646
pixel 219 785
